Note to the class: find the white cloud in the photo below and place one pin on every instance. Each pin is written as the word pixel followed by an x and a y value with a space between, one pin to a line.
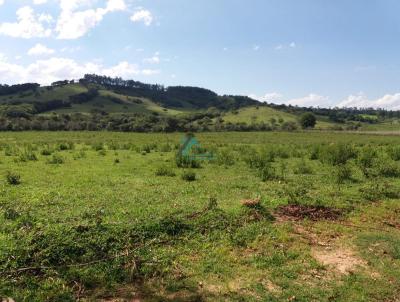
pixel 58 68
pixel 38 2
pixel 272 97
pixel 311 100
pixel 144 16
pixel 116 5
pixel 388 101
pixel 1 2
pixel 28 26
pixel 154 59
pixel 40 50
pixel 73 24
pixel 285 46
pixel 256 47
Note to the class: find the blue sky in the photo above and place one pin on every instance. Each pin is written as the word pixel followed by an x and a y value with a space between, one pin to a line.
pixel 303 52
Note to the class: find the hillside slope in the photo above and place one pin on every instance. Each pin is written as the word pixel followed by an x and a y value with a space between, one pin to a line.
pixel 98 102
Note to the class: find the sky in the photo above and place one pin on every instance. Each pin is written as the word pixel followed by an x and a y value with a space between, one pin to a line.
pixel 322 53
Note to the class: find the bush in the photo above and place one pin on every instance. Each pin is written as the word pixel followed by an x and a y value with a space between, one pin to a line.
pixel 315 152
pixel 225 157
pixel 98 146
pixel 387 168
pixel 308 120
pixel 365 160
pixel 338 154
pixel 27 156
pixel 187 162
pixel 301 167
pixel 13 178
pixel 267 172
pixel 102 152
pixel 46 152
pixel 394 152
pixel 146 148
pixel 66 146
pixel 56 159
pixel 342 173
pixel 189 176
pixel 297 192
pixel 378 190
pixel 81 154
pixel 165 171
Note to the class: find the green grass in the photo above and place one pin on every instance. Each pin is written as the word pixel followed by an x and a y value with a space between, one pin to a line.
pixel 251 115
pixel 117 202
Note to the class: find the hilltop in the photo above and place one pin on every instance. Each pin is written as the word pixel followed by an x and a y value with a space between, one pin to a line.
pixel 97 102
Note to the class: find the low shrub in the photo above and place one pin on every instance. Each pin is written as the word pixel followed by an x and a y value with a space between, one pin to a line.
pixel 387 168
pixel 302 167
pixel 296 192
pixel 267 172
pixel 56 159
pixel 98 146
pixel 225 157
pixel 27 156
pixel 165 171
pixel 66 146
pixel 187 162
pixel 102 152
pixel 394 152
pixel 189 176
pixel 79 155
pixel 378 190
pixel 13 178
pixel 338 154
pixel 365 160
pixel 46 152
pixel 342 173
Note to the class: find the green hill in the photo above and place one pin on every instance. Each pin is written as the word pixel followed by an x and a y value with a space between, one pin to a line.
pixel 98 102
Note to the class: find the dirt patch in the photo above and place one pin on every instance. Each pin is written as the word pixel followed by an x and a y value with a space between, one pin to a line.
pixel 341 260
pixel 250 202
pixel 315 213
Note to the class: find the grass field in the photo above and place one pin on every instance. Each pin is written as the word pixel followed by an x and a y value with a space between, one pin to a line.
pixel 100 216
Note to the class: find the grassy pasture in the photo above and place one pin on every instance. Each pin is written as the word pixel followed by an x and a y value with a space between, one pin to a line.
pixel 100 216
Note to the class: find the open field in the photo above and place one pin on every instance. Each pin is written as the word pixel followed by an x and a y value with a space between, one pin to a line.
pixel 102 216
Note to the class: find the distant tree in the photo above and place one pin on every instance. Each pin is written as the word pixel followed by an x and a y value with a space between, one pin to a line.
pixel 308 120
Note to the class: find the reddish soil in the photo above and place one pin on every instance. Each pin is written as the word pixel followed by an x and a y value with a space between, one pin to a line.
pixel 315 213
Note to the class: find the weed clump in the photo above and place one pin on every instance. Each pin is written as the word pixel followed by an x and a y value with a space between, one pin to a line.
pixel 66 146
pixel 164 171
pixel 387 168
pixel 189 176
pixel 267 172
pixel 378 190
pixel 394 152
pixel 338 154
pixel 302 167
pixel 342 173
pixel 46 152
pixel 27 156
pixel 13 178
pixel 56 159
pixel 187 162
pixel 366 159
pixel 225 157
pixel 296 193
